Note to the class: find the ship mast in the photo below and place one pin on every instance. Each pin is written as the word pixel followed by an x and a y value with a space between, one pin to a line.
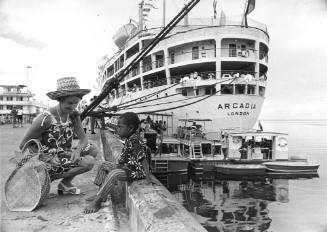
pixel 141 15
pixel 163 13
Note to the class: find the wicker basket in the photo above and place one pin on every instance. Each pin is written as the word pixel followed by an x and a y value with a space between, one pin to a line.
pixel 29 184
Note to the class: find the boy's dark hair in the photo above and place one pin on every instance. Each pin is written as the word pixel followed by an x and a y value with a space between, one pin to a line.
pixel 130 118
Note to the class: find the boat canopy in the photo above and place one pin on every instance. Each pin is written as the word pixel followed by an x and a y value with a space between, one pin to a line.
pixel 170 140
pixel 256 133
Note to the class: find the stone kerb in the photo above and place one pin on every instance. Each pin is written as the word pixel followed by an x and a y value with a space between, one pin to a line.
pixel 151 206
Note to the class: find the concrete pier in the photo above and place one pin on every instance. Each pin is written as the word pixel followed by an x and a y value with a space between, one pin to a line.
pixel 151 206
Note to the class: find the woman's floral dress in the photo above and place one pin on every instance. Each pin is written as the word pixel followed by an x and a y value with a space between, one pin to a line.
pixel 57 143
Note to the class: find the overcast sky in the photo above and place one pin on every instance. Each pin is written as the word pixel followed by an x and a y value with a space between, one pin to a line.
pixel 60 38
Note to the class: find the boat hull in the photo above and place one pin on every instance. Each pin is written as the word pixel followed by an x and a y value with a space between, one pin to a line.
pixel 239 169
pixel 291 167
pixel 169 164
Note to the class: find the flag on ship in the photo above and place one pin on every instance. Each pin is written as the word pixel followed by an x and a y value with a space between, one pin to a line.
pixel 260 126
pixel 146 9
pixel 250 5
pixel 214 4
pixel 147 4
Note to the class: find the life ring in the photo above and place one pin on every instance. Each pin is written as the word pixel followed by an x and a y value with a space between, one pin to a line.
pixel 282 142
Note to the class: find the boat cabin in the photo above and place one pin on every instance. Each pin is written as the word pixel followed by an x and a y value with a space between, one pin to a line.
pixel 170 147
pixel 194 141
pixel 255 145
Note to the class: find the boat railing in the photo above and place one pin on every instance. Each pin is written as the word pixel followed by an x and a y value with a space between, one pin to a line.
pixel 135 71
pixel 263 55
pixel 154 26
pixel 201 78
pixel 190 134
pixel 148 66
pixel 213 136
pixel 182 56
pixel 246 53
pixel 238 75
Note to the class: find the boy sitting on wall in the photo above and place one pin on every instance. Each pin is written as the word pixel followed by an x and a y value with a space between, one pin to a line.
pixel 132 164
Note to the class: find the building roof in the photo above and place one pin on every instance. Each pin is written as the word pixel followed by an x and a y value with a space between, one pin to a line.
pixel 22 86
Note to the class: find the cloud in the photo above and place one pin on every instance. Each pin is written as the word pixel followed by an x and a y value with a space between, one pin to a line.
pixel 18 37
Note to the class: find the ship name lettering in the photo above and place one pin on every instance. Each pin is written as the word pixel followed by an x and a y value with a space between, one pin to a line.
pixel 238 113
pixel 236 105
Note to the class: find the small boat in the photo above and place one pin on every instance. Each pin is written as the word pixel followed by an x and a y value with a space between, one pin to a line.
pixel 241 169
pixel 291 166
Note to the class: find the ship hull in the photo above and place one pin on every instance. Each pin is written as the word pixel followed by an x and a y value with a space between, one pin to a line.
pixel 222 111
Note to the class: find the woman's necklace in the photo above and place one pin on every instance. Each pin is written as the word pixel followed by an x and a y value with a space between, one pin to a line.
pixel 59 116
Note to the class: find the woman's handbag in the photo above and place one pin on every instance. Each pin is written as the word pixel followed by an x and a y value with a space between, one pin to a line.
pixel 29 184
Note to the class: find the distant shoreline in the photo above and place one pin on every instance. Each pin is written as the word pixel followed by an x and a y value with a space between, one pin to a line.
pixel 290 119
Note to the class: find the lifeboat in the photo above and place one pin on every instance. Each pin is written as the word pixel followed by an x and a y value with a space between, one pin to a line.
pixel 123 33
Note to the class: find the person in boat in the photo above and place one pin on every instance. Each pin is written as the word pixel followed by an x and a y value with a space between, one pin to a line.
pixel 194 126
pixel 132 164
pixel 224 145
pixel 54 128
pixel 244 149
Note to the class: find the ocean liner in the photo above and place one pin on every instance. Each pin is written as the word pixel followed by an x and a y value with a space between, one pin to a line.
pixel 207 69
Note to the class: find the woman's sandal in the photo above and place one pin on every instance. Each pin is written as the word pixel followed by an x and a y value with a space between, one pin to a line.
pixel 65 189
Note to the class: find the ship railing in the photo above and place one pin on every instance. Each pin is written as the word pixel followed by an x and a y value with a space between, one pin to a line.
pixel 263 55
pixel 200 78
pixel 229 74
pixel 182 56
pixel 148 66
pixel 133 73
pixel 239 53
pixel 154 26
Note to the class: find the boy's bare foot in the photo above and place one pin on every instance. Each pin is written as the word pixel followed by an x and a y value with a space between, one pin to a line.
pixel 92 198
pixel 93 207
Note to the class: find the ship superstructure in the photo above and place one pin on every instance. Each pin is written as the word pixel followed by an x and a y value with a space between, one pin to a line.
pixel 204 68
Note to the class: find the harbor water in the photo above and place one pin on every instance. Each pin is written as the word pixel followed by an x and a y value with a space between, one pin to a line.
pixel 278 203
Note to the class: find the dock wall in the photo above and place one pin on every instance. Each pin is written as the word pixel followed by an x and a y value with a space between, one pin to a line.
pixel 151 206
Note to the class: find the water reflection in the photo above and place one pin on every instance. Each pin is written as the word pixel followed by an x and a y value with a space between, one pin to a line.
pixel 221 204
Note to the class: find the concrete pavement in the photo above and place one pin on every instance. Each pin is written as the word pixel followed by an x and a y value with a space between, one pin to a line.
pixel 59 213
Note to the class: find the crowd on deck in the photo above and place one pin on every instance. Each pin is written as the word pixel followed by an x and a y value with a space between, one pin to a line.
pixel 181 79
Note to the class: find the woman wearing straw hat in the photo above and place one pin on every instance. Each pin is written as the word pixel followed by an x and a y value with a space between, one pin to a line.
pixel 55 129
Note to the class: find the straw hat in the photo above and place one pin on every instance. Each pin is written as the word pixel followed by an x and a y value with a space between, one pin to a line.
pixel 67 86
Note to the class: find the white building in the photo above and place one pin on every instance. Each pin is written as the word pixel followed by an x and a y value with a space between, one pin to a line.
pixel 20 97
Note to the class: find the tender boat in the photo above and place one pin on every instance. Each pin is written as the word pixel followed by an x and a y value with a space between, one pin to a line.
pixel 170 158
pixel 291 166
pixel 174 153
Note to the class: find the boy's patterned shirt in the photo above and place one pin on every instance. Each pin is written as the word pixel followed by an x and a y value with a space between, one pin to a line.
pixel 132 156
